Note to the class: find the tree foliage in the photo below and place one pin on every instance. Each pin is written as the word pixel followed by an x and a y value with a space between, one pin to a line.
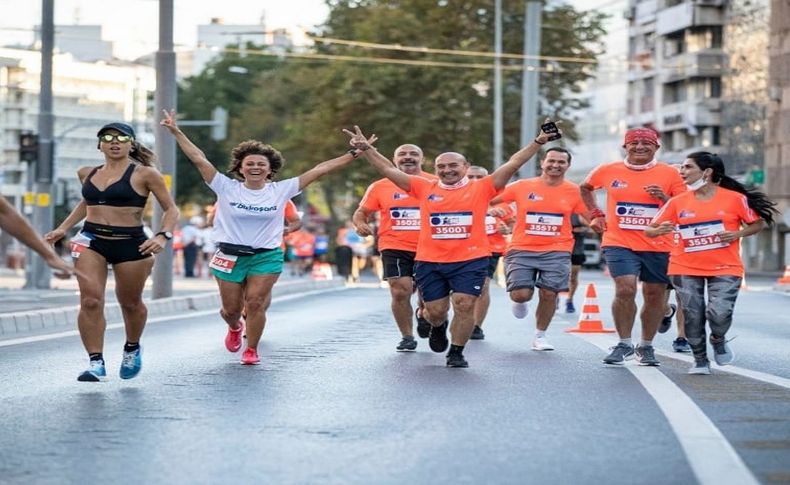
pixel 299 105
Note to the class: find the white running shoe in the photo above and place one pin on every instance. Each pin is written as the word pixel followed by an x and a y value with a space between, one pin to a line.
pixel 541 343
pixel 520 310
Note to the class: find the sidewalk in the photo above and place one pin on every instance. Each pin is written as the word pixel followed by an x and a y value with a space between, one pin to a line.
pixel 24 312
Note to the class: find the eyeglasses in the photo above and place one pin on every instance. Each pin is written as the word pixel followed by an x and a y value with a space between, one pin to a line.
pixel 121 138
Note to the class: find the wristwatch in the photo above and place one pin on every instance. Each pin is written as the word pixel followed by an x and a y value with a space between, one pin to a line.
pixel 167 234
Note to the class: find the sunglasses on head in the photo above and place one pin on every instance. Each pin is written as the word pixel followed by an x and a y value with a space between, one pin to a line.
pixel 107 138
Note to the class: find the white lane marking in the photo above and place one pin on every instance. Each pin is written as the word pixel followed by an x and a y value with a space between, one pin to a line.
pixel 181 316
pixel 732 369
pixel 711 457
pixel 752 374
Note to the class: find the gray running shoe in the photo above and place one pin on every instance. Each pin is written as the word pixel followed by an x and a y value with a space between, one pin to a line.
pixel 477 334
pixel 407 344
pixel 700 367
pixel 722 353
pixel 681 345
pixel 646 355
pixel 620 353
pixel 456 359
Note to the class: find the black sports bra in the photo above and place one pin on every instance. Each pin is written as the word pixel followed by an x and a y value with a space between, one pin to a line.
pixel 118 194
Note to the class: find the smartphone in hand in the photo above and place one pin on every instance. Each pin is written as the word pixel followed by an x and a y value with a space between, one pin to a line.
pixel 552 130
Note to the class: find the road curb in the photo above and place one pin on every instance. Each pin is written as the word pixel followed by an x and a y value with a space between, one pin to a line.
pixel 12 324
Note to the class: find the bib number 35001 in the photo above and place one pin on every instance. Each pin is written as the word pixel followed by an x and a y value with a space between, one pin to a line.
pixel 451 225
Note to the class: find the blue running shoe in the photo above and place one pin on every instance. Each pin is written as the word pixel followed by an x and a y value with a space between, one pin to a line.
pixel 95 373
pixel 132 363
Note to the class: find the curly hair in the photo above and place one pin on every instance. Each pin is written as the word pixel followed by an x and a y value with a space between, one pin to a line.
pixel 758 201
pixel 255 147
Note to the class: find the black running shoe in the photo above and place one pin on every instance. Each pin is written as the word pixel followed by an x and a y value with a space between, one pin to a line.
pixel 423 325
pixel 477 334
pixel 437 339
pixel 667 321
pixel 407 344
pixel 456 359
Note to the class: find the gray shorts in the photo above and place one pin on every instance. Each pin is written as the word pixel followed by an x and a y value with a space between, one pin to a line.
pixel 528 269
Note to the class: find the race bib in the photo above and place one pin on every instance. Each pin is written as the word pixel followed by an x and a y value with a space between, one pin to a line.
pixel 223 262
pixel 701 236
pixel 79 243
pixel 635 217
pixel 451 225
pixel 405 218
pixel 490 225
pixel 543 224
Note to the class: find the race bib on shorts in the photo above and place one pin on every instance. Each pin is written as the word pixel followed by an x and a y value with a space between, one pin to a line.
pixel 405 218
pixel 223 262
pixel 543 224
pixel 701 236
pixel 79 243
pixel 451 225
pixel 635 217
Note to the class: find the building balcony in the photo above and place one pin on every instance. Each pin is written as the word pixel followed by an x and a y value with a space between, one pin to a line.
pixel 708 63
pixel 690 114
pixel 688 14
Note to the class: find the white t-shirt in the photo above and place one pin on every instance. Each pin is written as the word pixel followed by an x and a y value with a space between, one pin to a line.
pixel 251 217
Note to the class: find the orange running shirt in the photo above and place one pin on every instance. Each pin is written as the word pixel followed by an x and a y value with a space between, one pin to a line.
pixel 543 214
pixel 452 220
pixel 290 211
pixel 700 252
pixel 629 208
pixel 497 242
pixel 399 226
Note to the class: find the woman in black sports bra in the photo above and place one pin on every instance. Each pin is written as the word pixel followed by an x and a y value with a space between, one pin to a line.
pixel 114 198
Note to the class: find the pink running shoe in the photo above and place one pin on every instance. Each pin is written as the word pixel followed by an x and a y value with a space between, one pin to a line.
pixel 233 338
pixel 250 357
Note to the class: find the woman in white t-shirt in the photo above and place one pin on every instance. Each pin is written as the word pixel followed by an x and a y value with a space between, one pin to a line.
pixel 248 229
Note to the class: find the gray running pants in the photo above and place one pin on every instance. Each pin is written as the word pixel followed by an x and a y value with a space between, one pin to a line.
pixel 722 293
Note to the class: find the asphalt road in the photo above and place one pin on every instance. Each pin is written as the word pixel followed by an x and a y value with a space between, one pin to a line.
pixel 333 402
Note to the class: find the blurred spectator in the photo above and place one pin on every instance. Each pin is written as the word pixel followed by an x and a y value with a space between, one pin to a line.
pixel 190 239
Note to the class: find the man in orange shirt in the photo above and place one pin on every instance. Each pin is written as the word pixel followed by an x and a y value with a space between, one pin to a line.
pixel 452 251
pixel 498 222
pixel 398 232
pixel 636 188
pixel 539 253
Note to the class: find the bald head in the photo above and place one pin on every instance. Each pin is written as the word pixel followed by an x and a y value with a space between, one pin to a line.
pixel 408 159
pixel 451 167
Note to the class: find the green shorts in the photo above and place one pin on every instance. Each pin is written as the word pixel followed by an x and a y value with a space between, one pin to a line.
pixel 269 262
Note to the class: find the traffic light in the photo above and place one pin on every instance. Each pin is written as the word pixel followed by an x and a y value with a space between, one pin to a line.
pixel 28 147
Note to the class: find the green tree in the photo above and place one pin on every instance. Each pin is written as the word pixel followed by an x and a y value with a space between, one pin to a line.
pixel 299 105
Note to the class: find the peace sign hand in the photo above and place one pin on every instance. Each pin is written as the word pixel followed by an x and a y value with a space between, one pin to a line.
pixel 358 140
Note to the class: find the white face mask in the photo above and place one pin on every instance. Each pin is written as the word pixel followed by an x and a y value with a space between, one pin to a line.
pixel 697 184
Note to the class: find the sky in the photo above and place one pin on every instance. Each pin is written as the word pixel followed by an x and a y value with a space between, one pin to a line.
pixel 133 25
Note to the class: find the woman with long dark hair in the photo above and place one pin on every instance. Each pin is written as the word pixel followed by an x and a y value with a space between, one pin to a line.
pixel 114 198
pixel 711 218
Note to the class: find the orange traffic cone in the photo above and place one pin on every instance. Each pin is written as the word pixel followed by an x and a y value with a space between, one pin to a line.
pixel 318 272
pixel 590 318
pixel 785 279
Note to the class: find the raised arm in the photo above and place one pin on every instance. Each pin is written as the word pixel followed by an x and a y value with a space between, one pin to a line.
pixel 381 163
pixel 502 175
pixel 324 168
pixel 195 154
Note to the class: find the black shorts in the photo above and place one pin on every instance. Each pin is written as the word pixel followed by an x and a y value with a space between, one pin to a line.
pixel 578 259
pixel 115 251
pixel 493 261
pixel 397 263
